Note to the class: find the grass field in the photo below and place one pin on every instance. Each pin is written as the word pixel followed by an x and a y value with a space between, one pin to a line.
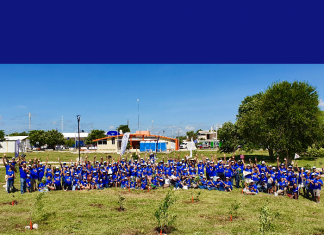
pixel 94 212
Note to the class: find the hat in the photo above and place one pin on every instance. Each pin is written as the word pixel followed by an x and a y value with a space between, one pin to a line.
pixel 314 167
pixel 273 168
pixel 68 172
pixel 28 175
pixel 239 161
pixel 100 179
pixel 103 171
pixel 10 161
pixel 263 162
pixel 13 158
pixel 201 173
pixel 251 181
pixel 101 166
pixel 182 159
pixel 57 167
pixel 105 161
pixel 248 165
pixel 227 177
pixel 284 171
pixel 204 177
pixel 57 173
pixel 64 163
pixel 262 173
pixel 289 166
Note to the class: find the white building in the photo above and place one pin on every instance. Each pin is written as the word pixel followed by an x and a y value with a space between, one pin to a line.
pixel 8 145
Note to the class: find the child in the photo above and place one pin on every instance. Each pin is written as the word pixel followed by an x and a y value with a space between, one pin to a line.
pixel 28 183
pixel 228 185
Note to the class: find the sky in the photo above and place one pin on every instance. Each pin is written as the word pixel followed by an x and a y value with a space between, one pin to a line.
pixel 175 97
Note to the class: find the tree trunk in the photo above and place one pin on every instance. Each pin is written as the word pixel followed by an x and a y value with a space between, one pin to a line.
pixel 271 154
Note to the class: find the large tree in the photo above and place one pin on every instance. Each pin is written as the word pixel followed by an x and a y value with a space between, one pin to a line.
pixel 24 133
pixel 37 136
pixel 95 134
pixel 285 118
pixel 53 138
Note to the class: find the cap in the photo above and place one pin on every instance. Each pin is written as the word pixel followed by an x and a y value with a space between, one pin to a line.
pixel 204 177
pixel 64 163
pixel 227 177
pixel 57 167
pixel 263 162
pixel 56 173
pixel 314 167
pixel 289 166
pixel 13 158
pixel 273 168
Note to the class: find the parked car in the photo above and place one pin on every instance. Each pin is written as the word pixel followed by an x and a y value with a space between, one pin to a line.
pixel 183 146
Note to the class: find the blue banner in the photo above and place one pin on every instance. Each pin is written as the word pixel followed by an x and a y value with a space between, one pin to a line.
pixel 17 148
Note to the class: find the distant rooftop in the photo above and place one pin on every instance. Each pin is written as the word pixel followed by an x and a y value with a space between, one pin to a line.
pixel 73 135
pixel 14 138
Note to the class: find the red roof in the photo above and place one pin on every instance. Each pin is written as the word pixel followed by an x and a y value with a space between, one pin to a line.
pixel 131 135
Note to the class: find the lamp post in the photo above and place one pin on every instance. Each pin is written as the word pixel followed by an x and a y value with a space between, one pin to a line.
pixel 138 114
pixel 78 118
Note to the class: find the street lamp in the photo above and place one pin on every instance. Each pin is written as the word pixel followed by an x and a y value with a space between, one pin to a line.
pixel 78 118
pixel 138 114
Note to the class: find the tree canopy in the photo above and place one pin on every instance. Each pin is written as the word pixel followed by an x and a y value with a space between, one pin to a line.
pixel 191 134
pixel 285 118
pixel 123 128
pixel 95 134
pixel 24 133
pixel 2 134
pixel 229 137
pixel 51 138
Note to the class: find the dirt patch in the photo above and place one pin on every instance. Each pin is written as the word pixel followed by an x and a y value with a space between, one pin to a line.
pixel 120 209
pixel 97 205
pixel 165 229
pixel 19 227
pixel 14 202
pixel 188 202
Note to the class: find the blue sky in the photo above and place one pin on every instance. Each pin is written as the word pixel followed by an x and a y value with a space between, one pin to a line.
pixel 189 97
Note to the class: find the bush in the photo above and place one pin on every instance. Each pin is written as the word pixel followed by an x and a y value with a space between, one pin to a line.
pixel 265 218
pixel 315 153
pixel 235 205
pixel 135 156
pixel 38 213
pixel 165 219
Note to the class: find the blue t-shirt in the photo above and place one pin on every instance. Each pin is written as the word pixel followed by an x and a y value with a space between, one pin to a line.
pixel 318 186
pixel 10 173
pixel 23 174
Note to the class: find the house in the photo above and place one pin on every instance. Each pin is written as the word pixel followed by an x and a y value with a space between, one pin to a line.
pixel 141 140
pixel 8 145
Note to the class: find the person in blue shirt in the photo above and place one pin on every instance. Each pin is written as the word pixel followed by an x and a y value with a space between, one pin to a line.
pixel 253 189
pixel 210 185
pixel 68 181
pixel 238 173
pixel 132 183
pixel 143 183
pixel 203 183
pixel 310 188
pixel 100 185
pixel 317 186
pixel 219 184
pixel 28 183
pixel 10 179
pixel 201 167
pixel 49 184
pixel 228 185
pixel 295 191
pixel 57 181
pixel 41 172
pixel 34 177
pixel 282 187
pixel 263 182
pixel 8 165
pixel 23 175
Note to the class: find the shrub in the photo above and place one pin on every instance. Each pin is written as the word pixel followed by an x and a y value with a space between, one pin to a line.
pixel 165 219
pixel 121 202
pixel 265 218
pixel 38 213
pixel 235 206
pixel 315 152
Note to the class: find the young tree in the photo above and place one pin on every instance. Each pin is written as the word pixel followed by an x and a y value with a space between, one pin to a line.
pixel 95 134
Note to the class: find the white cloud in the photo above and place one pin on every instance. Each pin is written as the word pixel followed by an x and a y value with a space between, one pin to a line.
pixel 0 117
pixel 321 103
pixel 111 128
pixel 190 128
pixel 21 106
pixel 54 122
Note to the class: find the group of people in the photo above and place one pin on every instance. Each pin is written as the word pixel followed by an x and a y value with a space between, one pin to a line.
pixel 148 173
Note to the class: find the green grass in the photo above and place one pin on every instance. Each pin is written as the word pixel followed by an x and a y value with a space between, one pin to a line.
pixel 94 212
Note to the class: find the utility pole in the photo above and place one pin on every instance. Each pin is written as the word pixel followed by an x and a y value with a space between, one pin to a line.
pixel 78 117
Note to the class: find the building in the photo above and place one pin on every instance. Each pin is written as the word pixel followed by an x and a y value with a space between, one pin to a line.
pixel 137 140
pixel 209 135
pixel 8 145
pixel 75 137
